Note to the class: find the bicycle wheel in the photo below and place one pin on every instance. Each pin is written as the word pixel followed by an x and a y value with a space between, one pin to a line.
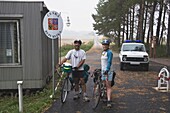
pixel 64 90
pixel 103 91
pixel 96 96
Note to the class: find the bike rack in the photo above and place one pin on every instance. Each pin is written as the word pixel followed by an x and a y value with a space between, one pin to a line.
pixel 163 79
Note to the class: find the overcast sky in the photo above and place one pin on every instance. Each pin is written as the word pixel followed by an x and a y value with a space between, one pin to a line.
pixel 79 12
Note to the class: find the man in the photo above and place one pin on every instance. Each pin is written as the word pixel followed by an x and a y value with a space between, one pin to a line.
pixel 106 66
pixel 77 57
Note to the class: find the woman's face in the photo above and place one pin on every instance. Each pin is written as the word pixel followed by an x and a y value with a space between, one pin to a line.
pixel 105 47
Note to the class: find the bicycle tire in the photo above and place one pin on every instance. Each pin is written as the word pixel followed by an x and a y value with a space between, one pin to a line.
pixel 64 90
pixel 96 96
pixel 103 93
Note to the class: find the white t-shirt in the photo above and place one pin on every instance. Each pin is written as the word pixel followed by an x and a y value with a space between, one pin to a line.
pixel 75 57
pixel 106 60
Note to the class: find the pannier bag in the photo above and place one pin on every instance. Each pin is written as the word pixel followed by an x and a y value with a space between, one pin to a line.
pixel 67 67
pixel 113 78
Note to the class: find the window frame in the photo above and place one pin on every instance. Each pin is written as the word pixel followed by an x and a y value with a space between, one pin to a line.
pixel 18 42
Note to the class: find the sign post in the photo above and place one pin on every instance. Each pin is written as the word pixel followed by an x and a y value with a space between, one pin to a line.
pixel 53 26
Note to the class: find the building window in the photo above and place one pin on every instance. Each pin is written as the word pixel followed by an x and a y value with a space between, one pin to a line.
pixel 10 43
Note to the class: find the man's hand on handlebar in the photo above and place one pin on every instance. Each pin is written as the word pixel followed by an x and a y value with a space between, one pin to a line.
pixel 57 66
pixel 75 68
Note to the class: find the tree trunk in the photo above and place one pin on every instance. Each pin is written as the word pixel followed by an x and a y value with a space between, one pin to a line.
pixel 159 22
pixel 151 21
pixel 140 23
pixel 148 36
pixel 133 20
pixel 163 26
pixel 152 17
pixel 130 15
pixel 145 21
pixel 168 36
pixel 119 31
pixel 127 26
pixel 123 35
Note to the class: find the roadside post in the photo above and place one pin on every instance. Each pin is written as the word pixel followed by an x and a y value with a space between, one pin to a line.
pixel 19 83
pixel 53 26
pixel 163 79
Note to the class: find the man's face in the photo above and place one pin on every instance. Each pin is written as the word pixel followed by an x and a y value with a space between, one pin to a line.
pixel 105 47
pixel 77 46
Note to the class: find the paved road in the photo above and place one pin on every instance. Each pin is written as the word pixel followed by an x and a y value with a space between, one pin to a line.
pixel 132 93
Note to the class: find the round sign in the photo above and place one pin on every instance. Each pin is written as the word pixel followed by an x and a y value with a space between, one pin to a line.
pixel 52 24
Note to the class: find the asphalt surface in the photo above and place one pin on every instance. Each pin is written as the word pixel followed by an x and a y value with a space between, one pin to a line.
pixel 133 91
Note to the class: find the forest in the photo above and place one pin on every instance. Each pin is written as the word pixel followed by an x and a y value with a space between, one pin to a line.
pixel 142 20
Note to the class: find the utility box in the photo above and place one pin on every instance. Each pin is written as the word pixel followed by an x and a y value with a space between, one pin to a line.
pixel 25 51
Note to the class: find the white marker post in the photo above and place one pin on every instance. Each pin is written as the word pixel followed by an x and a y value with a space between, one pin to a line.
pixel 53 26
pixel 19 83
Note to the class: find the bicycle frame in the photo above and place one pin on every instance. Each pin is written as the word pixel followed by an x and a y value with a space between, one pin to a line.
pixel 99 90
pixel 66 83
pixel 66 87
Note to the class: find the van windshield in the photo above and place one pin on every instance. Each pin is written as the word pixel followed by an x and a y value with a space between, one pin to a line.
pixel 134 47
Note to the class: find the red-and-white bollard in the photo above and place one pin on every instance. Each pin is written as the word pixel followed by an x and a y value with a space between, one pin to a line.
pixel 163 78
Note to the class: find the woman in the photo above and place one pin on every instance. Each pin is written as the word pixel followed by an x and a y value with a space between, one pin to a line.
pixel 106 66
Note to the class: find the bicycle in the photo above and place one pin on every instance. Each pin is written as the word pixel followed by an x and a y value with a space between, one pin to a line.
pixel 68 83
pixel 99 89
pixel 66 86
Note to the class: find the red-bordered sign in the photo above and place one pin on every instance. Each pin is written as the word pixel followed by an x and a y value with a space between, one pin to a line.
pixel 52 24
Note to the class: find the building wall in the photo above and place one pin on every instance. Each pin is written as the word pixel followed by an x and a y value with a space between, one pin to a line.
pixel 36 47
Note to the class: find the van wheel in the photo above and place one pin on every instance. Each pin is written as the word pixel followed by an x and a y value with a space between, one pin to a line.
pixel 146 67
pixel 121 66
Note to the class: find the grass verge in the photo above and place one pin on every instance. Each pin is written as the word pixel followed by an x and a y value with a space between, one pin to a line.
pixel 34 103
pixel 39 101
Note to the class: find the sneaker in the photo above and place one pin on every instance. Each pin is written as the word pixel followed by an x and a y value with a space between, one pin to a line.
pixel 76 97
pixel 86 99
pixel 109 105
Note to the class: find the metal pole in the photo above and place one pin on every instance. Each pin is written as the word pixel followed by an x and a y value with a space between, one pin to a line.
pixel 60 48
pixel 20 96
pixel 53 66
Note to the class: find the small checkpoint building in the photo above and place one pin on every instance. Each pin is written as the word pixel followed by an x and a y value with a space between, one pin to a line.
pixel 25 50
